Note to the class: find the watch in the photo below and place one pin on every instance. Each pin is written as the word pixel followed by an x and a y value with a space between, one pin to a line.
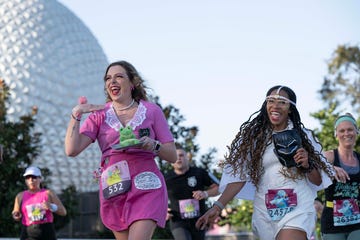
pixel 157 146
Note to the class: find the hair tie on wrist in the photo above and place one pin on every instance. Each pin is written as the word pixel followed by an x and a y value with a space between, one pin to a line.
pixel 77 119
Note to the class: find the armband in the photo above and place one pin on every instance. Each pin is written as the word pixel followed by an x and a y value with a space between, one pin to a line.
pixel 53 207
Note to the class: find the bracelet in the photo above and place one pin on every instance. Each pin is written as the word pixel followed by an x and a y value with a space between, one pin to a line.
pixel 206 194
pixel 219 205
pixel 77 119
pixel 53 207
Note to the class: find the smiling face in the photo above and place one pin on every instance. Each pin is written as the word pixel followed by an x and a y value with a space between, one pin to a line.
pixel 346 133
pixel 278 108
pixel 118 84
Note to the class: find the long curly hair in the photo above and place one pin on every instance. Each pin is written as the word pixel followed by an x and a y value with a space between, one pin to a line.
pixel 139 92
pixel 246 151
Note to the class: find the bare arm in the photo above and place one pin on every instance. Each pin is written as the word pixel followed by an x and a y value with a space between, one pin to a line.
pixel 168 152
pixel 340 174
pixel 229 193
pixel 16 212
pixel 212 191
pixel 53 199
pixel 75 142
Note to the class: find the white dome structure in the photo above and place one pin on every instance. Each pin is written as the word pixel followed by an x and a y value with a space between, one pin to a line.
pixel 49 58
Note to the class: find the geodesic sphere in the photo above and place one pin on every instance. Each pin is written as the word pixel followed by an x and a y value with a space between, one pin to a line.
pixel 49 58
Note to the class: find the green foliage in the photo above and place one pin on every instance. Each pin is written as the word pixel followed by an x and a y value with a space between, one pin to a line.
pixel 342 83
pixel 238 215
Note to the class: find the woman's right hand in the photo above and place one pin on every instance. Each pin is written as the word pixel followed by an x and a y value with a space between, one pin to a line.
pixel 80 109
pixel 209 217
pixel 16 216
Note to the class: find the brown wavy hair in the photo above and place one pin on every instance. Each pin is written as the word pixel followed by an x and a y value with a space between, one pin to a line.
pixel 246 151
pixel 139 91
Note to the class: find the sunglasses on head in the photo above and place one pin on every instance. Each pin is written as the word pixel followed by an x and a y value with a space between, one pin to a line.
pixel 31 176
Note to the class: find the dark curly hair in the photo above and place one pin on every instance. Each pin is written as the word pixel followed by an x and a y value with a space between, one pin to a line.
pixel 139 92
pixel 247 149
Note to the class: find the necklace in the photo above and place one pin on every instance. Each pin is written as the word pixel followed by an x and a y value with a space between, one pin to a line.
pixel 125 108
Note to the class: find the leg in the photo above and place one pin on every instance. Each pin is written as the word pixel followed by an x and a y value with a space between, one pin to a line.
pixel 293 234
pixel 354 235
pixel 180 233
pixel 123 235
pixel 142 229
pixel 334 236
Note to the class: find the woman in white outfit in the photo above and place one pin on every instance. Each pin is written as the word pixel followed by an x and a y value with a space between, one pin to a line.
pixel 276 162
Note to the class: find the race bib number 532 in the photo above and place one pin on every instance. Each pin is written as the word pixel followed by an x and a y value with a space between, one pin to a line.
pixel 115 180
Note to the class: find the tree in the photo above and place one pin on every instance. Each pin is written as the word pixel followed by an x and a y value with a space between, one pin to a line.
pixel 342 83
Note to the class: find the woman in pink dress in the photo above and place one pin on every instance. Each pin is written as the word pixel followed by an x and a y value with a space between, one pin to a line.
pixel 133 196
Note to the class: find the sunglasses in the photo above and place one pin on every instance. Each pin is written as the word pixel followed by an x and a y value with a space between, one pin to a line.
pixel 31 176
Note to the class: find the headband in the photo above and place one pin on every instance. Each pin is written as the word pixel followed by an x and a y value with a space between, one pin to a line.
pixel 345 118
pixel 279 97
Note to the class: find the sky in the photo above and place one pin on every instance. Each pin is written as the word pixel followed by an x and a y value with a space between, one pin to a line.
pixel 215 60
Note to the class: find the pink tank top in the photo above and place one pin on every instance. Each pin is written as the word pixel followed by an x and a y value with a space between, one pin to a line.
pixel 32 210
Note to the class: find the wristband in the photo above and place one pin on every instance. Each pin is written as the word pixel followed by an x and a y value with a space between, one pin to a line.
pixel 206 194
pixel 219 205
pixel 77 119
pixel 53 207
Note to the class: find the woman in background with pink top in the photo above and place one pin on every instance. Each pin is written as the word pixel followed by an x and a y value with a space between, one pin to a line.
pixel 35 208
pixel 133 196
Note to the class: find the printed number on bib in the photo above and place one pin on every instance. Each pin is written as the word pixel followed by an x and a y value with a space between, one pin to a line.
pixel 115 180
pixel 280 202
pixel 346 212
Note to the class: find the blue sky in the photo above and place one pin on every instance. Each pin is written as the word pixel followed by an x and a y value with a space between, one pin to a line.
pixel 215 60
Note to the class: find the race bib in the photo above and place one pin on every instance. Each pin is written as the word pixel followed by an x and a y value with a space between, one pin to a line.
pixel 346 212
pixel 189 208
pixel 279 202
pixel 115 180
pixel 35 212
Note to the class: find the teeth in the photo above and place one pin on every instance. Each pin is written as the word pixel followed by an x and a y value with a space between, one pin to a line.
pixel 275 113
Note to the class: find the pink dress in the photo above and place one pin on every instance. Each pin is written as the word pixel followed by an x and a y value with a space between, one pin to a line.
pixel 131 185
